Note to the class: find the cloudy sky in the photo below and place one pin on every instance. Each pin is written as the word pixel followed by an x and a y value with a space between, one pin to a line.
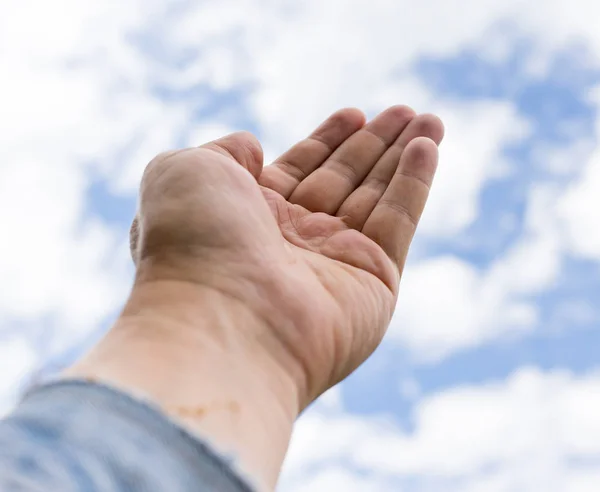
pixel 489 378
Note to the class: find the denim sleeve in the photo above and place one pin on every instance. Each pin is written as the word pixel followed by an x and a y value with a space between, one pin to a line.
pixel 77 436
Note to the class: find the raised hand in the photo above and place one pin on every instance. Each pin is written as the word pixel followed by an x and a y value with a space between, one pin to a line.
pixel 312 246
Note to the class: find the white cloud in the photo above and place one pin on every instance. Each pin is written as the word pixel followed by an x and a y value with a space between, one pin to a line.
pixel 339 478
pixel 74 97
pixel 17 359
pixel 447 304
pixel 533 431
pixel 470 157
pixel 312 57
pixel 579 208
pixel 440 309
pixel 532 264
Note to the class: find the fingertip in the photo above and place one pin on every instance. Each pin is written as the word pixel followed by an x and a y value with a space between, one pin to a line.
pixel 420 159
pixel 350 118
pixel 431 126
pixel 420 148
pixel 400 112
pixel 355 115
pixel 422 144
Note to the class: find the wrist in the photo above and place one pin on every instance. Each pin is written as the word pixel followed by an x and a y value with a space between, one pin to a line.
pixel 201 357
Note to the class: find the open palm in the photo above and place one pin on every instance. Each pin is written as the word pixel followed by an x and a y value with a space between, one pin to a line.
pixel 313 244
pixel 348 200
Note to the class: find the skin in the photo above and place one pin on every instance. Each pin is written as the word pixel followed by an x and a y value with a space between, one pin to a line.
pixel 258 289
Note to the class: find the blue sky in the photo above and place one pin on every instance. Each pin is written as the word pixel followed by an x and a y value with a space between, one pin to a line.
pixel 489 379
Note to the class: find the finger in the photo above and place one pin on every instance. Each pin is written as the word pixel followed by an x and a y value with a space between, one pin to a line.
pixel 329 186
pixel 359 205
pixel 394 220
pixel 284 175
pixel 243 147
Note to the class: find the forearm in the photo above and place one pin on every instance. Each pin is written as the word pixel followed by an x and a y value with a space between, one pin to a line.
pixel 180 353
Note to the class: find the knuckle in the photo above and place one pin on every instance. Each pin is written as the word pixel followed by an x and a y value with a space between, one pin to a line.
pixel 402 212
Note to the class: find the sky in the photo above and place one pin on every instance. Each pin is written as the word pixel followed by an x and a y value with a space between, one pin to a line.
pixel 489 377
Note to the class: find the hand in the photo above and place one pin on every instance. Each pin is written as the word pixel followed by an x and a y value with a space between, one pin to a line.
pixel 258 289
pixel 312 246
